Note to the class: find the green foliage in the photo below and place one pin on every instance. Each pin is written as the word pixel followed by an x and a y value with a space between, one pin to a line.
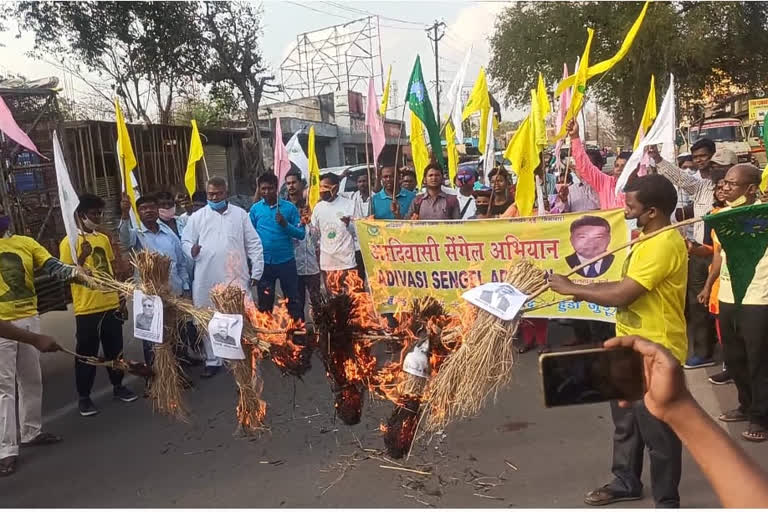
pixel 689 39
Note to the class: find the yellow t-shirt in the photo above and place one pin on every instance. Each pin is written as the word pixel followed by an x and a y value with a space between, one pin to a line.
pixel 86 300
pixel 19 257
pixel 660 265
pixel 757 291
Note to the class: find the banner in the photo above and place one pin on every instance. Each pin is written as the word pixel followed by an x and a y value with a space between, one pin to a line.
pixel 409 259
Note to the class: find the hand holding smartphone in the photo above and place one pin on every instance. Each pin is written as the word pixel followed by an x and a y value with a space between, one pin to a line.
pixel 591 376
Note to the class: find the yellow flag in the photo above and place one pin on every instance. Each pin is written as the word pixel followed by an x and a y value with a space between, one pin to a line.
pixel 419 151
pixel 764 180
pixel 539 111
pixel 385 95
pixel 195 154
pixel 479 100
pixel 126 156
pixel 453 153
pixel 649 114
pixel 313 195
pixel 523 155
pixel 577 99
pixel 602 67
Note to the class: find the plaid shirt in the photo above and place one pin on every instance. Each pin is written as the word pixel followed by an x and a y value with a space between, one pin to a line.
pixel 700 189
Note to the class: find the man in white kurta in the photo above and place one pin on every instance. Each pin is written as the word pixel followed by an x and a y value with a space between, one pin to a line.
pixel 220 239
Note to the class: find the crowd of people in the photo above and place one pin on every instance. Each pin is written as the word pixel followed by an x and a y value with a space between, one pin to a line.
pixel 675 287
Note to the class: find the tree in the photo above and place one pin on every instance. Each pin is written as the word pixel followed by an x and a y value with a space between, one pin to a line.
pixel 689 39
pixel 134 46
pixel 225 53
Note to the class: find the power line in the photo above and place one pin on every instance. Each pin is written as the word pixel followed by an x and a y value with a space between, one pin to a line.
pixel 435 38
pixel 363 11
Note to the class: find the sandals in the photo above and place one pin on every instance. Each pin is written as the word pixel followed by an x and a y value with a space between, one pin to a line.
pixel 43 439
pixel 733 416
pixel 755 433
pixel 8 466
pixel 605 496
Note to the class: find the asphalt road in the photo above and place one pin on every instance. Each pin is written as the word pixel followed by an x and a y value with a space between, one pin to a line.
pixel 516 453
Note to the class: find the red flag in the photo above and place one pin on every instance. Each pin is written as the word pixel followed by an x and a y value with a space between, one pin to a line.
pixel 282 161
pixel 9 127
pixel 374 123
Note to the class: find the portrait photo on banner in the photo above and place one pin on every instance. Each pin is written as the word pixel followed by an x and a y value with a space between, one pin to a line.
pixel 225 331
pixel 147 317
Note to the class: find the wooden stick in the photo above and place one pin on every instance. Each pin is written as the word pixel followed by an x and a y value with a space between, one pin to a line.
pixel 639 239
pixel 405 469
pixel 397 149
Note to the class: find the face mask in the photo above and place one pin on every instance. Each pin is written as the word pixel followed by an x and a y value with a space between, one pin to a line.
pixel 89 224
pixel 166 213
pixel 217 205
pixel 737 202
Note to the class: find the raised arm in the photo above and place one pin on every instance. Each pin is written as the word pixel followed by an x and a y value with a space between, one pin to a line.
pixel 294 226
pixel 127 235
pixel 584 168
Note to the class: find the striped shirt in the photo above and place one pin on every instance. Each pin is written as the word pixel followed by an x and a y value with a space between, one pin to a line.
pixel 700 189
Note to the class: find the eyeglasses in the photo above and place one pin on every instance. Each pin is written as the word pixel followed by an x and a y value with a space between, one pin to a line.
pixel 734 184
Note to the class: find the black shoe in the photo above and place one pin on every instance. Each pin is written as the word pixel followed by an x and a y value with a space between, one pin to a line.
pixel 124 394
pixel 721 378
pixel 87 408
pixel 210 371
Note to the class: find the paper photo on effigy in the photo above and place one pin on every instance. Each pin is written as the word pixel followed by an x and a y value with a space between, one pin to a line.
pixel 225 332
pixel 499 299
pixel 147 317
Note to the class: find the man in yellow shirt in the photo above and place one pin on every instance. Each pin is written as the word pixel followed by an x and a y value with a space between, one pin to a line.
pixel 651 301
pixel 97 313
pixel 20 256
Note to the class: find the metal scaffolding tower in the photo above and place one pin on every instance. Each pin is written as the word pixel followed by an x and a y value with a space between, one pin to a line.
pixel 337 58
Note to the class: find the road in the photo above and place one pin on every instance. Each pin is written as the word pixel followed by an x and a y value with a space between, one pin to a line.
pixel 516 453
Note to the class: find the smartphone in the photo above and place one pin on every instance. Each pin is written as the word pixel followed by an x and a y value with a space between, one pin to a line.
pixel 591 375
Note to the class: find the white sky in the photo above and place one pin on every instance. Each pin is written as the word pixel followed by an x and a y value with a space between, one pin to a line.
pixel 467 22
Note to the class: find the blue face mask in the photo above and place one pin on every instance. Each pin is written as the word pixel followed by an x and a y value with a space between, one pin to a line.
pixel 217 205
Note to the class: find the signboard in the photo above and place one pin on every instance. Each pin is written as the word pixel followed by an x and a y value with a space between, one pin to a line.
pixel 445 259
pixel 757 109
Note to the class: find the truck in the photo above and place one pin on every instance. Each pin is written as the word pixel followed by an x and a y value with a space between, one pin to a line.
pixel 726 132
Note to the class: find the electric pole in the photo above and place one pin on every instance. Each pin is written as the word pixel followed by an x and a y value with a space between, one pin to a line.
pixel 432 34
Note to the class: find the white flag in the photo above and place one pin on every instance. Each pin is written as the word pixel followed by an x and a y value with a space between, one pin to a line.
pixel 67 196
pixel 489 152
pixel 297 156
pixel 454 97
pixel 662 132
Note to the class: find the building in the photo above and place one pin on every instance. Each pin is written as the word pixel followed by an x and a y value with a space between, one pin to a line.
pixel 340 134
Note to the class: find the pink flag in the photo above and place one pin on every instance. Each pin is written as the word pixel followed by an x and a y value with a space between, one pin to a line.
pixel 374 123
pixel 9 127
pixel 565 102
pixel 282 161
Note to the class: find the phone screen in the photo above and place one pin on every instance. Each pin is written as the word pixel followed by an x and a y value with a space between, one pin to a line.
pixel 591 376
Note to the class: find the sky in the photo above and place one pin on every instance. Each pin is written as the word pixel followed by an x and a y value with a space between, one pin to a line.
pixel 402 27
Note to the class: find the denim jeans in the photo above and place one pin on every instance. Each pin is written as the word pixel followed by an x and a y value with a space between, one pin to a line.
pixel 289 283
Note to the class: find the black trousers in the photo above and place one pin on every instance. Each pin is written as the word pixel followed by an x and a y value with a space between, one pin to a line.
pixel 360 265
pixel 744 330
pixel 288 276
pixel 96 329
pixel 636 428
pixel 702 336
pixel 308 285
pixel 593 331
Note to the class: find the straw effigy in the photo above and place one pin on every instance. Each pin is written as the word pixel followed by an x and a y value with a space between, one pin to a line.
pixel 167 383
pixel 482 365
pixel 251 409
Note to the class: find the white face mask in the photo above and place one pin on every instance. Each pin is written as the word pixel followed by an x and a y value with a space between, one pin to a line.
pixel 89 224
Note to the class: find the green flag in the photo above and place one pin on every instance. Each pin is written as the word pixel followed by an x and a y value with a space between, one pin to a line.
pixel 418 101
pixel 743 234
